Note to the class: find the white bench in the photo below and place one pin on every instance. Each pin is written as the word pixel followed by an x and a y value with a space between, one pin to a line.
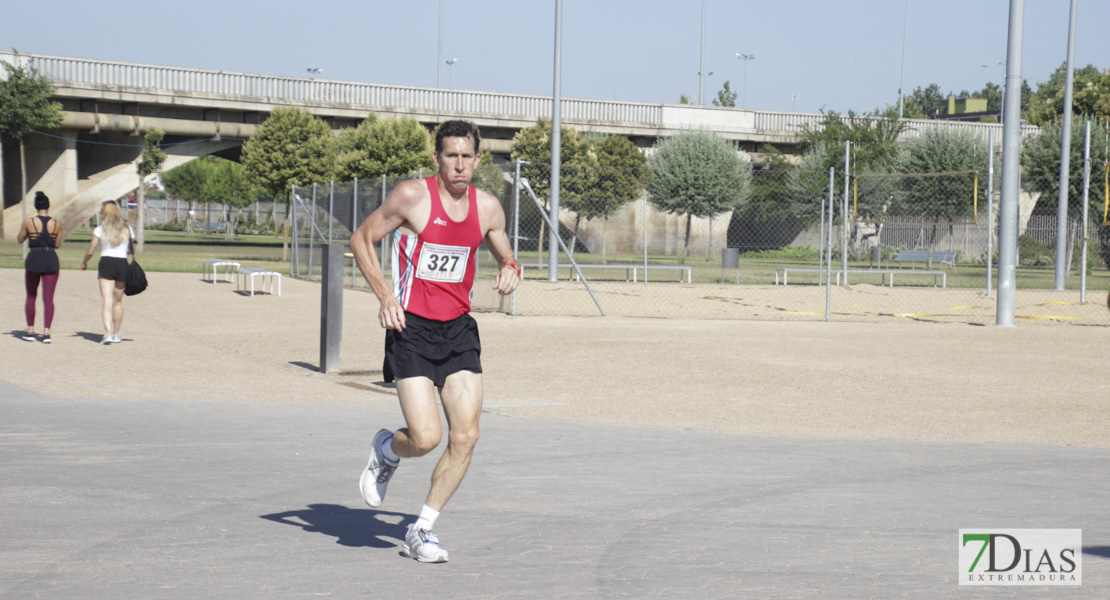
pixel 944 257
pixel 251 273
pixel 211 268
pixel 886 274
pixel 632 270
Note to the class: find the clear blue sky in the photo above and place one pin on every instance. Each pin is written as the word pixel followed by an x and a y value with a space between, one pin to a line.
pixel 835 55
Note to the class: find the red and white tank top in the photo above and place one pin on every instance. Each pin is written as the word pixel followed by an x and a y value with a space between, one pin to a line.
pixel 433 271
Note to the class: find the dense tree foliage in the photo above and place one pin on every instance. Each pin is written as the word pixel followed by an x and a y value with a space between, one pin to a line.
pixel 292 147
pixel 725 96
pixel 391 147
pixel 25 106
pixel 150 162
pixel 697 175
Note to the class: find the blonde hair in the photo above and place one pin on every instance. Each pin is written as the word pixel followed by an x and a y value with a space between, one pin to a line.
pixel 115 226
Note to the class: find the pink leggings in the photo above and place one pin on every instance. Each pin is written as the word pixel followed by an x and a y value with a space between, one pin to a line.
pixel 49 281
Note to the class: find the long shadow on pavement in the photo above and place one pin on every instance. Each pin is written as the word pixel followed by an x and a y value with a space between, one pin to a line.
pixel 353 528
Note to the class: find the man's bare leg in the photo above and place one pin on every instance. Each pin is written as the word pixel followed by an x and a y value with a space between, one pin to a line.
pixel 462 403
pixel 418 405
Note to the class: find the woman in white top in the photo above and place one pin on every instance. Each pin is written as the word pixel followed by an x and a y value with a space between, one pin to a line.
pixel 114 236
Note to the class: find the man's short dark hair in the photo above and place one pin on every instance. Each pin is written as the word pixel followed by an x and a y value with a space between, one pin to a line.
pixel 456 129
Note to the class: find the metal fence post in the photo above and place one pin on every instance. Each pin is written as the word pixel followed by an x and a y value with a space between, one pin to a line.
pixel 312 232
pixel 1083 223
pixel 354 226
pixel 828 252
pixel 516 223
pixel 990 208
pixel 645 239
pixel 296 252
pixel 844 213
pixel 331 207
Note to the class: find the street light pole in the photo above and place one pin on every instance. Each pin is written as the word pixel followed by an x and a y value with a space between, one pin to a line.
pixel 449 64
pixel 439 54
pixel 701 66
pixel 745 58
pixel 902 84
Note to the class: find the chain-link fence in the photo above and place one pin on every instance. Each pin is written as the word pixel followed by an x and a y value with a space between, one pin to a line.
pixel 921 248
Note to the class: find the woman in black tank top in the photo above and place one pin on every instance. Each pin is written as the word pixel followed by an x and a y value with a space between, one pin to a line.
pixel 41 265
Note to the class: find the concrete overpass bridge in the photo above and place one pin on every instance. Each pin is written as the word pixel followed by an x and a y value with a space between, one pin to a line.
pixel 108 105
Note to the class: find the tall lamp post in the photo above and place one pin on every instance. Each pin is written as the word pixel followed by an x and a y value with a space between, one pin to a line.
pixel 1001 109
pixel 449 64
pixel 745 58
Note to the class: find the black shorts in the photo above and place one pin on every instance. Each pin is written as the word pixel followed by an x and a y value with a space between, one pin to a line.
pixel 112 268
pixel 432 349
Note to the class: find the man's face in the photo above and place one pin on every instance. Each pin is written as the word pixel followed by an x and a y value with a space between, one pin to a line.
pixel 457 161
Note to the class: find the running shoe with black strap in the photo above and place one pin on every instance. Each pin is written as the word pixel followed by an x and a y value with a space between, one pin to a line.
pixel 378 471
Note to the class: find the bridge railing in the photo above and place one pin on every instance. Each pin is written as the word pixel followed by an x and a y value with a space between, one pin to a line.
pixel 64 70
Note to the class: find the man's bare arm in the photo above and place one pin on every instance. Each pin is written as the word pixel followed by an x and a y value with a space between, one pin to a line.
pixel 393 213
pixel 508 273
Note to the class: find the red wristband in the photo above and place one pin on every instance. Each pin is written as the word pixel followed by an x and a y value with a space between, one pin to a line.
pixel 515 266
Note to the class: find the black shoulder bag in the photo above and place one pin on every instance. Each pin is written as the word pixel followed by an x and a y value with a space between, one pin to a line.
pixel 136 277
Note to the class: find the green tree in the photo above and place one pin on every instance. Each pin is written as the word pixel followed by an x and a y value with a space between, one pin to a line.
pixel 725 96
pixel 377 147
pixel 292 147
pixel 874 148
pixel 150 162
pixel 683 99
pixel 489 177
pixel 576 157
pixel 1040 161
pixel 187 182
pixel 25 106
pixel 937 200
pixel 1090 95
pixel 227 184
pixel 622 176
pixel 924 103
pixel 697 175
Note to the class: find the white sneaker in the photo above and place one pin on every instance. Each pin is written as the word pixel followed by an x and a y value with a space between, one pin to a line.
pixel 423 545
pixel 107 339
pixel 117 338
pixel 378 471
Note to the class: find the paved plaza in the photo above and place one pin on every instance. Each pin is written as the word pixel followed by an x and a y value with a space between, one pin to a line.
pixel 205 457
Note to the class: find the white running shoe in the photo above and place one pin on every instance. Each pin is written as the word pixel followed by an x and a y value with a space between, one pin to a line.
pixel 378 471
pixel 107 339
pixel 117 338
pixel 423 545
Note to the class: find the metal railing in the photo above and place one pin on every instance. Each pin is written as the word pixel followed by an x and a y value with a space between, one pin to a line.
pixel 66 71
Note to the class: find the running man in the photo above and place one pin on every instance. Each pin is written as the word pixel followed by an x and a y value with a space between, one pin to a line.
pixel 431 340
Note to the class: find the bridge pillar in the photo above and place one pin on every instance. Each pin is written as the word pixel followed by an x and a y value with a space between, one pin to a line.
pixel 51 168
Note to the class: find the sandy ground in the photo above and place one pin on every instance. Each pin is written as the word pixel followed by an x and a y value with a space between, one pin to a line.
pixel 912 376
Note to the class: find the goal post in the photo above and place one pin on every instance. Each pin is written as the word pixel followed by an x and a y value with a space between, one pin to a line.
pixel 950 198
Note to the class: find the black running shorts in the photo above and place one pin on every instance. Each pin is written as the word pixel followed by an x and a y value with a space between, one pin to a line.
pixel 432 349
pixel 113 268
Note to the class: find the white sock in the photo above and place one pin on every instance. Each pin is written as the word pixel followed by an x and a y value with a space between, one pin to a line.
pixel 427 518
pixel 387 450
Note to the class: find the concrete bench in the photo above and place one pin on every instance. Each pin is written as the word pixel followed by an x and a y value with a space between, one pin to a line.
pixel 944 257
pixel 887 275
pixel 211 268
pixel 250 273
pixel 632 270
